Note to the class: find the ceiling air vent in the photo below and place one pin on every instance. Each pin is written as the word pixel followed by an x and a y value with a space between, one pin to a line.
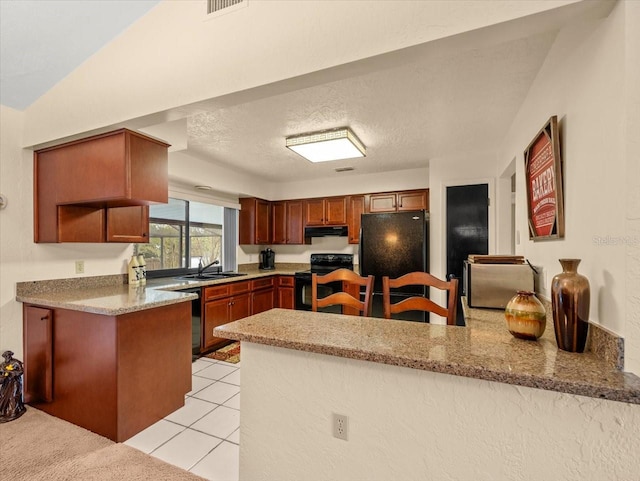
pixel 344 169
pixel 214 6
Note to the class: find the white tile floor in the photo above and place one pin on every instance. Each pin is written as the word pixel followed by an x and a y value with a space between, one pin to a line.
pixel 203 436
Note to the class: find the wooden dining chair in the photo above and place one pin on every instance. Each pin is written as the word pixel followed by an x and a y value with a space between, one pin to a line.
pixel 350 294
pixel 418 303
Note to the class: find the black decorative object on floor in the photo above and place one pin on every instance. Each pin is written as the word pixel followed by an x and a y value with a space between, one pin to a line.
pixel 11 405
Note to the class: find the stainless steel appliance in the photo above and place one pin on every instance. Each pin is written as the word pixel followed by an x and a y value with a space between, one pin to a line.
pixel 493 285
pixel 320 264
pixel 392 245
pixel 267 260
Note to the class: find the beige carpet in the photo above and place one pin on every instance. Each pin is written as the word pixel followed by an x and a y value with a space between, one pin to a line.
pixel 38 447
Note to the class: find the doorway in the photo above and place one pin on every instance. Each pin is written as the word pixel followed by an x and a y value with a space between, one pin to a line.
pixel 467 229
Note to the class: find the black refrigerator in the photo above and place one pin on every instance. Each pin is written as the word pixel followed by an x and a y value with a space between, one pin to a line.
pixel 392 245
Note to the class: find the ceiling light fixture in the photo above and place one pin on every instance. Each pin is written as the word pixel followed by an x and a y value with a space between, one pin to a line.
pixel 327 145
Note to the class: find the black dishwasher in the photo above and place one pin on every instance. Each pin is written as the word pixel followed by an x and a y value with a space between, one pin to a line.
pixel 196 322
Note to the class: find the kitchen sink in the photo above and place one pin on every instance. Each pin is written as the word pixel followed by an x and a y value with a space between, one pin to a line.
pixel 208 276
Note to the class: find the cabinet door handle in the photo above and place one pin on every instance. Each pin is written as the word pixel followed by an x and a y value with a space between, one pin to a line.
pixel 44 318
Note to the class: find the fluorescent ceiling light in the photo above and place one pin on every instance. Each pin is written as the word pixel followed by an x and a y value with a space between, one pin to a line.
pixel 328 145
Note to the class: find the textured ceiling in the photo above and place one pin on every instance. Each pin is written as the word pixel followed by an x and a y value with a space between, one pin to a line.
pixel 428 106
pixel 456 95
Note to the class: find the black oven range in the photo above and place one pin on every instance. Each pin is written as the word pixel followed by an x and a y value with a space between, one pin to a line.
pixel 320 264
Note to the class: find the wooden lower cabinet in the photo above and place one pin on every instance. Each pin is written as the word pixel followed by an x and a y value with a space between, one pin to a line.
pixel 113 375
pixel 262 294
pixel 222 311
pixel 262 300
pixel 286 292
pixel 38 350
pixel 224 303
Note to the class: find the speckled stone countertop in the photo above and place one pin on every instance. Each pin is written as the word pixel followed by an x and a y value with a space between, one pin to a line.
pixel 483 350
pixel 110 295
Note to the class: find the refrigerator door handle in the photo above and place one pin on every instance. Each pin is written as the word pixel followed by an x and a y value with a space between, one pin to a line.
pixel 360 248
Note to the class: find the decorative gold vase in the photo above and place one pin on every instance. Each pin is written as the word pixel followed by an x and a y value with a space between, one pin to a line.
pixel 525 316
pixel 570 297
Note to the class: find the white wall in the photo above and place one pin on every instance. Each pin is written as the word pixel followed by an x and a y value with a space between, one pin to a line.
pixel 632 201
pixel 175 56
pixel 20 258
pixel 299 254
pixel 352 183
pixel 583 81
pixel 408 424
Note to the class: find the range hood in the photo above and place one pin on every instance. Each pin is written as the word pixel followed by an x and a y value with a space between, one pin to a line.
pixel 324 231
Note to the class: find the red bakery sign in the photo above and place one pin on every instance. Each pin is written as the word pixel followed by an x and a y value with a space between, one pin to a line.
pixel 544 184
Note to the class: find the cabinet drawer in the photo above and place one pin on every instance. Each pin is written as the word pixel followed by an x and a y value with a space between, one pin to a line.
pixel 262 283
pixel 286 281
pixel 216 292
pixel 239 287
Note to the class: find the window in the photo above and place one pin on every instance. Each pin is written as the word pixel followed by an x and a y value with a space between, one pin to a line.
pixel 181 233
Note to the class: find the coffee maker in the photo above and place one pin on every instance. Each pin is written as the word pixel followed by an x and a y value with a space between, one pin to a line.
pixel 267 260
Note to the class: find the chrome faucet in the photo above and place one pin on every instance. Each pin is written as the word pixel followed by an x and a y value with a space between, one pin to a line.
pixel 202 268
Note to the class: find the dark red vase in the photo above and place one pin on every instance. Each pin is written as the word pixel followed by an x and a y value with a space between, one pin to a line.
pixel 570 297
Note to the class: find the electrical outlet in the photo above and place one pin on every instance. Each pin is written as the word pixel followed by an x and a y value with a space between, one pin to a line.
pixel 79 267
pixel 340 426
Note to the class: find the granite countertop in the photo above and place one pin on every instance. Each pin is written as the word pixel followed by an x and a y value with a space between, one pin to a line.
pixel 110 295
pixel 482 350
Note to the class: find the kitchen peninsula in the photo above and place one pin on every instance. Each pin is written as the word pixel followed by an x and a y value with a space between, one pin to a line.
pixel 419 396
pixel 108 357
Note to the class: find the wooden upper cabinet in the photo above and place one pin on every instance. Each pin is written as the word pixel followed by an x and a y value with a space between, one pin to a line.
pixel 283 222
pixel 279 222
pixel 77 184
pixel 254 221
pixel 335 211
pixel 326 211
pixel 354 211
pixel 413 200
pixel 287 222
pixel 80 224
pixel 295 223
pixel 382 202
pixel 120 168
pixel 128 224
pixel 314 212
pixel 399 201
